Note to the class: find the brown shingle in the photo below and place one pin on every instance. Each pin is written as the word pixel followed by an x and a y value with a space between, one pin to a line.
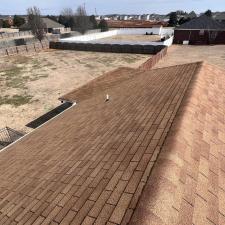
pixel 93 164
pixel 189 163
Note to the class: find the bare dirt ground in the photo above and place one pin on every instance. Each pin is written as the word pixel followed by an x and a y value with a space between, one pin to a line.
pixel 178 54
pixel 30 85
pixel 141 38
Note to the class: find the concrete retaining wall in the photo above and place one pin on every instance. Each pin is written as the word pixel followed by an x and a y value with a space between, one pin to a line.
pixel 24 49
pixel 15 34
pixel 116 48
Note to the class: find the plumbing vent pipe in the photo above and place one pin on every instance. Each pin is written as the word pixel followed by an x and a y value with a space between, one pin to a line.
pixel 107 98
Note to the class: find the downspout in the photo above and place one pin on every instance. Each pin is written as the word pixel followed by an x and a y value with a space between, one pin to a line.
pixel 189 37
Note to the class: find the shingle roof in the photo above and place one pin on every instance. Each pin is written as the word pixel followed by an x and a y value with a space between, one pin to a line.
pixel 47 22
pixel 90 164
pixel 101 84
pixel 220 16
pixel 187 185
pixel 51 23
pixel 202 22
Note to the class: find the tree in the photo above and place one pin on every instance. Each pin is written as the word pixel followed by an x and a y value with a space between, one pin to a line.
pixel 103 25
pixel 67 18
pixel 5 24
pixel 52 17
pixel 208 13
pixel 82 21
pixel 183 20
pixel 36 23
pixel 18 21
pixel 93 22
pixel 192 15
pixel 173 19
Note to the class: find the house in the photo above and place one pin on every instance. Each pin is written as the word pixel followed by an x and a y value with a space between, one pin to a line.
pixel 202 30
pixel 152 154
pixel 50 25
pixel 220 17
pixel 8 19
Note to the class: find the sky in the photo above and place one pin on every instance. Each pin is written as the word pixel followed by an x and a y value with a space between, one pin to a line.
pixel 112 6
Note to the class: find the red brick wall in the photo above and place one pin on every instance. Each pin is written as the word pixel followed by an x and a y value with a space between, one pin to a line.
pixel 195 38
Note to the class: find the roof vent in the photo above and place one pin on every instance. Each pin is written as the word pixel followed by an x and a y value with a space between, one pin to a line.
pixel 107 98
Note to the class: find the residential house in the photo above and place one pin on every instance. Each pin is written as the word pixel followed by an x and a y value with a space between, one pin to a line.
pixel 202 30
pixel 50 26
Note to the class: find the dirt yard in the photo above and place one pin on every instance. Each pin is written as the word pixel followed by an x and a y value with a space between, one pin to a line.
pixel 30 86
pixel 178 54
pixel 135 38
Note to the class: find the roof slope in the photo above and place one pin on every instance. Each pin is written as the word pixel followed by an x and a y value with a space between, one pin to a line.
pixel 202 22
pixel 90 164
pixel 187 184
pixel 49 23
pixel 101 84
pixel 220 16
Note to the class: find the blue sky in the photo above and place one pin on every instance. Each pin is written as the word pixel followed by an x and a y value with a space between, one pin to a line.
pixel 112 6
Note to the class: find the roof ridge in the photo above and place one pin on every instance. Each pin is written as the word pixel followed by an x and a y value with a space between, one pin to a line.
pixel 183 64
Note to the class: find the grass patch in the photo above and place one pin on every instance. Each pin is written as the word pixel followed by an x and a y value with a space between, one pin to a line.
pixel 14 77
pixel 130 59
pixel 15 100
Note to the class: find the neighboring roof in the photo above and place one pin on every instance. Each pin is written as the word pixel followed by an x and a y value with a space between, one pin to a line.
pixel 90 163
pixel 93 163
pixel 134 23
pixel 49 23
pixel 202 22
pixel 220 16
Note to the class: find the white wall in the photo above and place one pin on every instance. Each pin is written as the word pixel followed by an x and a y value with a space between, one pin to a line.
pixel 124 31
pixel 91 37
pixel 169 41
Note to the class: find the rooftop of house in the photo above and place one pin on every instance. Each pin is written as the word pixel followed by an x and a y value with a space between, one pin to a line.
pixel 220 16
pixel 153 154
pixel 202 22
pixel 49 23
pixel 134 23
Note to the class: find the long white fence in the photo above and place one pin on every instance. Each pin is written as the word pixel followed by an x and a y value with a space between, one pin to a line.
pixel 124 31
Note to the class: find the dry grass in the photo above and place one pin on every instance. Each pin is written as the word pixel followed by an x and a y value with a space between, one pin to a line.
pixel 135 38
pixel 30 85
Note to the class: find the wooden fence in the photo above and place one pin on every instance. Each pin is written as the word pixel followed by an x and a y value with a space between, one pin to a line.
pixel 24 49
pixel 154 60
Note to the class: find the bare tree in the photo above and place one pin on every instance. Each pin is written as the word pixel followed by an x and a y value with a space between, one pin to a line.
pixel 67 17
pixel 36 23
pixel 82 21
pixel 67 12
